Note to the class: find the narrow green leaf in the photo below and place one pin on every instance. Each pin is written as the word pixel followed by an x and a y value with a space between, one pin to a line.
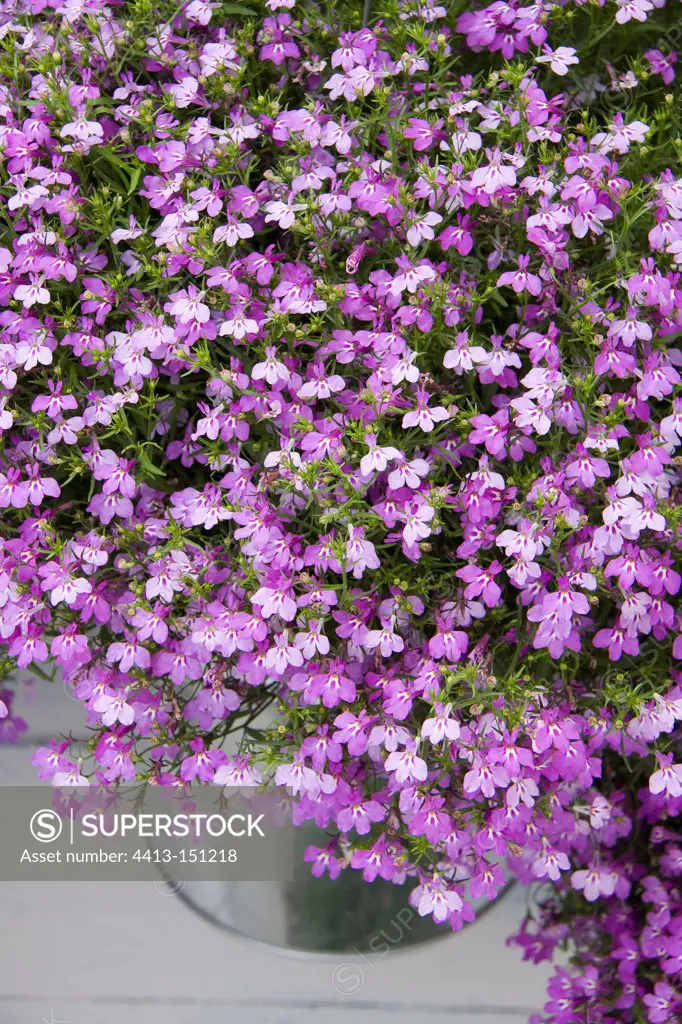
pixel 134 179
pixel 237 9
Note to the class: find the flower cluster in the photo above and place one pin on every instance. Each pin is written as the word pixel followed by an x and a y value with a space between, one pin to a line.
pixel 619 905
pixel 339 376
pixel 621 910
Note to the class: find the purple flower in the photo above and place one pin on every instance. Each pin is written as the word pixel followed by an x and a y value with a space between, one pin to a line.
pixel 668 778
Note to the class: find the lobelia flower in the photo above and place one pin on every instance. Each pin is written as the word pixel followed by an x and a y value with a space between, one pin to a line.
pixel 668 778
pixel 350 389
pixel 521 279
pixel 559 60
pixel 406 765
pixel 442 726
pixel 594 883
pixel 433 898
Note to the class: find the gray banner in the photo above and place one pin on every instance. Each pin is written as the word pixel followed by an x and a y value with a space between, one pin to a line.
pixel 94 834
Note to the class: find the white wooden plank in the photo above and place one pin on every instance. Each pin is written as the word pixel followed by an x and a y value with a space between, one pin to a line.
pixel 106 939
pixel 38 1012
pixel 69 944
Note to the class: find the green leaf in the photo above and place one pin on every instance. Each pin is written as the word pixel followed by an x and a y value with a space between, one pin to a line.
pixel 134 179
pixel 237 9
pixel 147 465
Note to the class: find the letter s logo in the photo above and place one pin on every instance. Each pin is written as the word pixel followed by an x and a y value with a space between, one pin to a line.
pixel 46 826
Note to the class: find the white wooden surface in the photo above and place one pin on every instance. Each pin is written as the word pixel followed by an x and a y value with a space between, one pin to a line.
pixel 107 953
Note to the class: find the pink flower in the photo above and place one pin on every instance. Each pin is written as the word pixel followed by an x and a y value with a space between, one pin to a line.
pixel 188 307
pixel 424 134
pixel 521 279
pixel 594 882
pixel 495 175
pixel 359 814
pixel 417 519
pixel 481 582
pixel 272 370
pixel 411 277
pixel 559 60
pixel 384 639
pixel 333 685
pixel 550 863
pixel 448 643
pixel 114 708
pixel 301 779
pixel 129 654
pixel 406 765
pixel 421 229
pixel 629 9
pixel 485 778
pixel 442 726
pixel 424 417
pixel 661 1003
pixel 275 600
pixel 282 213
pixel 432 898
pixel 360 553
pixel 69 774
pixel 30 294
pixel 668 778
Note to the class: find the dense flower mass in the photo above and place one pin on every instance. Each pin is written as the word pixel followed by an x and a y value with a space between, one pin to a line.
pixel 340 375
